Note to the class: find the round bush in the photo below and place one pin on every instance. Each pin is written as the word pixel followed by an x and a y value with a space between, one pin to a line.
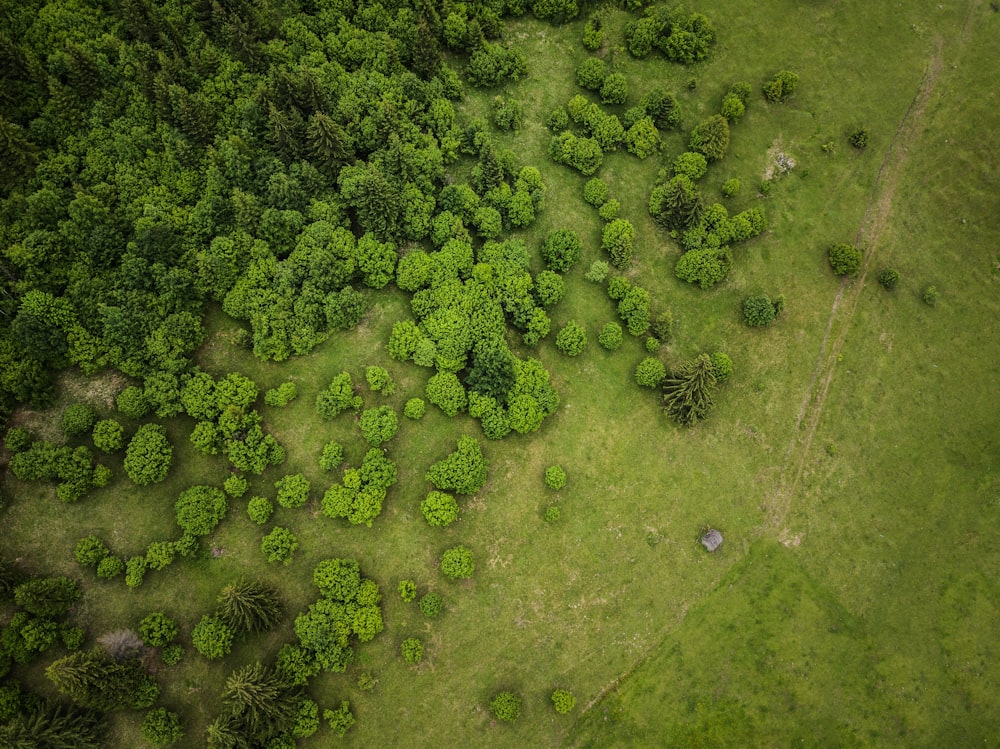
pixel 552 513
pixel 609 211
pixel 563 701
pixel 614 89
pixel 457 563
pixel 148 455
pixel 845 259
pixel 692 165
pixel 611 336
pixel 505 706
pixel 931 295
pixel 595 192
pixel 591 73
pixel 259 509
pixel 171 655
pixel 78 419
pixel 212 637
pixel 572 339
pixel 90 551
pixel 730 187
pixel 17 439
pixel 439 509
pixel 758 311
pixel 889 278
pixel 158 629
pixel 598 271
pixel 161 727
pixel 412 650
pixel 431 605
pixel 235 485
pixel 132 402
pixel 555 477
pixel 859 138
pixel 279 545
pixel 414 408
pixel 652 345
pixel 110 567
pixel 561 249
pixel 108 436
pixel 650 372
pixel 722 366
pixel 199 509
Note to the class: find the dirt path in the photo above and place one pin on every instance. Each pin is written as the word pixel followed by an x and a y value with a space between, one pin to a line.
pixel 846 302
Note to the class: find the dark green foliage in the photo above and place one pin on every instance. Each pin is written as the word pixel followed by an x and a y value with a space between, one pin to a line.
pixel 508 114
pixel 593 33
pixel 572 339
pixel 722 366
pixel 161 727
pixel 212 637
pixel 431 605
pixel 279 545
pixel 491 64
pixel 339 396
pixel 590 73
pixel 47 596
pixel 171 654
pixel 258 705
pixel 132 402
pixel 688 391
pixel 110 567
pixel 614 89
pixel 148 455
pixel 57 725
pixel 341 719
pixel 249 606
pixel 457 563
pixel 17 439
pixel 555 477
pixel 676 204
pixel 463 471
pixel 493 372
pixel 561 249
pixel 705 267
pixel 505 706
pixel 293 490
pixel 90 551
pixel 158 629
pixel 711 138
pixel 199 509
pixel 759 311
pixel 889 278
pixel 259 509
pixel 845 259
pixel 563 701
pixel 412 650
pixel 859 138
pixel 78 419
pixel 92 679
pixel 650 372
pixel 108 436
pixel 780 86
pixel 439 509
pixel 379 380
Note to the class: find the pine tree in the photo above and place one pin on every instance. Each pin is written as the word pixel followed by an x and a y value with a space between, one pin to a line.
pixel 687 392
pixel 261 704
pixel 249 606
pixel 329 143
pixel 52 725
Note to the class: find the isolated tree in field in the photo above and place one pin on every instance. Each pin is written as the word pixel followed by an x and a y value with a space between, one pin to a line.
pixel 711 138
pixel 845 259
pixel 212 637
pixel 439 509
pixel 781 85
pixel 506 706
pixel 463 471
pixel 279 545
pixel 412 650
pixel 249 606
pixel 572 339
pixel 199 509
pixel 563 701
pixel 148 455
pixel 759 311
pixel 458 563
pixel 161 727
pixel 687 391
pixel 611 336
pixel 561 248
pixel 555 477
pixel 650 372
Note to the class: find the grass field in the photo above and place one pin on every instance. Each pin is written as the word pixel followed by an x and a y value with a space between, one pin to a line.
pixel 851 462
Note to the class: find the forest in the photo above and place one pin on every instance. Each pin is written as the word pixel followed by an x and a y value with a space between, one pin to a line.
pixel 370 373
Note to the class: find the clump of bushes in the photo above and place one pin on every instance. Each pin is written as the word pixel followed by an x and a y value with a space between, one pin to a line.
pixel 781 86
pixel 412 650
pixel 859 138
pixel 407 590
pixel 759 311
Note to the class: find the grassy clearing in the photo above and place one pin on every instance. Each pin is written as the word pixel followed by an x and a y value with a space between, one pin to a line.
pixel 869 627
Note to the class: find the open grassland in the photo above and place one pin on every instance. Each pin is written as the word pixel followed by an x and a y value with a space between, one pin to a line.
pixel 857 609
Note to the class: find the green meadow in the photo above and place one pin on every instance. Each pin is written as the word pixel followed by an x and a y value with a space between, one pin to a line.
pixel 852 462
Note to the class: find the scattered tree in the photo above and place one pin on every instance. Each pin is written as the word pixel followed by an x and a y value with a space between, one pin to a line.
pixel 148 455
pixel 457 563
pixel 505 706
pixel 845 259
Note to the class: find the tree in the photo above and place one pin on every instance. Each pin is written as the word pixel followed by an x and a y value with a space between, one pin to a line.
pixel 563 701
pixel 781 85
pixel 561 250
pixel 676 204
pixel 617 240
pixel 341 719
pixel 555 477
pixel 199 509
pixel 338 579
pixel 339 396
pixel 161 727
pixel 282 395
pixel 691 164
pixel 48 597
pixel 430 605
pixel 279 545
pixel 148 455
pixel 445 391
pixel 379 425
pixel 595 192
pixel 259 704
pixel 92 679
pixel 590 73
pixel 293 490
pixel 845 259
pixel 158 629
pixel 614 89
pixel 439 509
pixel 108 436
pixel 249 606
pixel 90 551
pixel 711 137
pixel 259 509
pixel 549 288
pixel 505 706
pixel 464 470
pixel 705 267
pixel 759 311
pixel 212 637
pixel 650 372
pixel 379 380
pixel 412 650
pixel 722 366
pixel 572 339
pixel 457 563
pixel 78 419
pixel 687 391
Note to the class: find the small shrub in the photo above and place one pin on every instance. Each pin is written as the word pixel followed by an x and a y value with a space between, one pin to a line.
pixel 593 34
pixel 414 408
pixel 135 570
pixel 279 545
pixel 555 477
pixel 90 551
pixel 931 296
pixel 17 439
pixel 430 605
pixel 260 509
pixel 590 73
pixel 505 706
pixel 558 120
pixel 132 402
pixel 293 490
pixel 758 311
pixel 161 727
pixel 611 336
pixel 282 395
pixel 457 563
pixel 563 701
pixel 439 509
pixel 212 637
pixel 889 278
pixel 108 436
pixel 158 629
pixel 508 114
pixel 650 372
pixel 235 485
pixel 332 456
pixel 341 719
pixel 171 655
pixel 110 567
pixel 78 419
pixel 690 164
pixel 609 211
pixel 859 138
pixel 572 339
pixel 652 345
pixel 614 89
pixel 722 366
pixel 407 590
pixel 561 250
pixel 781 85
pixel 595 192
pixel 552 514
pixel 366 681
pixel 379 380
pixel 845 259
pixel 412 650
pixel 730 187
pixel 598 272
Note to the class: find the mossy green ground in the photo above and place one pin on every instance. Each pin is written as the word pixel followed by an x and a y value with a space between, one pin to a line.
pixel 854 601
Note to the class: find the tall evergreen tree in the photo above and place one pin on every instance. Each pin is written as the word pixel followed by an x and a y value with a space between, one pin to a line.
pixel 687 391
pixel 249 606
